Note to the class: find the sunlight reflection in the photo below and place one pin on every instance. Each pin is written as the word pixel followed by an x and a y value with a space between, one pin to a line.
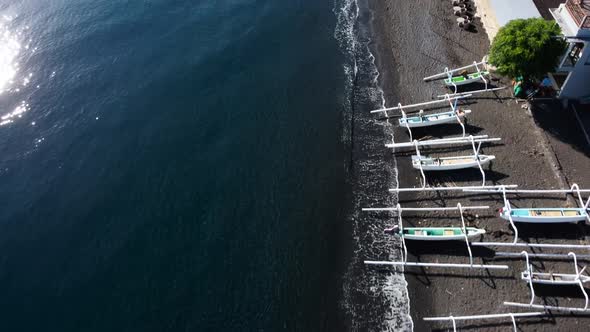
pixel 9 50
pixel 15 114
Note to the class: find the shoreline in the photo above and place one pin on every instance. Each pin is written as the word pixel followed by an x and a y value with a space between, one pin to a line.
pixel 484 11
pixel 413 40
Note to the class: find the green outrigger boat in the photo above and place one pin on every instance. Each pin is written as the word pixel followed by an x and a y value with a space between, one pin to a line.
pixel 466 79
pixel 435 233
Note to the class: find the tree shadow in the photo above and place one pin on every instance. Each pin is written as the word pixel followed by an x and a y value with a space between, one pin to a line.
pixel 560 123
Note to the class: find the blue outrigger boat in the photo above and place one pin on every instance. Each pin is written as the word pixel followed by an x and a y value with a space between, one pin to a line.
pixel 545 215
pixel 433 119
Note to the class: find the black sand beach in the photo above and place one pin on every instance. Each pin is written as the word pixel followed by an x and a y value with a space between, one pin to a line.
pixel 539 150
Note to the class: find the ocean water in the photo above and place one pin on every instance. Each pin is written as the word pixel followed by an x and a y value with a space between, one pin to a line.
pixel 185 166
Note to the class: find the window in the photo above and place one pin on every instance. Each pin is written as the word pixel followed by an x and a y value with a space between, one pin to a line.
pixel 574 55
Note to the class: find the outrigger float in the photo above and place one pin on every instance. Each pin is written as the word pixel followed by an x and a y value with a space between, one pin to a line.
pixel 471 92
pixel 464 234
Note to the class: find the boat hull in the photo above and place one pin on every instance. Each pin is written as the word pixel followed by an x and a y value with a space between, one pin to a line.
pixel 544 216
pixel 557 279
pixel 432 120
pixel 471 78
pixel 445 164
pixel 426 234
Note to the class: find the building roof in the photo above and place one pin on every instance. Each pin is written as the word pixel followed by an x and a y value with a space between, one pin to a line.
pixel 579 11
pixel 507 10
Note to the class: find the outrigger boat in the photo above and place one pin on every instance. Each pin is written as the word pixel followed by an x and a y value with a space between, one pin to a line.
pixel 464 233
pixel 435 233
pixel 425 163
pixel 544 215
pixel 466 79
pixel 555 279
pixel 433 119
pixel 450 163
pixel 455 81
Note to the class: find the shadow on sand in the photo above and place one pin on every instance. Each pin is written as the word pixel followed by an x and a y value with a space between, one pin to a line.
pixel 560 123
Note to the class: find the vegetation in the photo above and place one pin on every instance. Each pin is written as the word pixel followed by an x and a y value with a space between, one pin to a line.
pixel 528 48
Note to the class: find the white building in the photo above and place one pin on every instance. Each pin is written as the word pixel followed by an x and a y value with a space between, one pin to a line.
pixel 572 76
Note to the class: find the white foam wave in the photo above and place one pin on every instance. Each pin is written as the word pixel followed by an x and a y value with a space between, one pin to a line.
pixel 381 291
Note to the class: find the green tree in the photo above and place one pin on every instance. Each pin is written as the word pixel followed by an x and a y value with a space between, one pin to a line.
pixel 528 47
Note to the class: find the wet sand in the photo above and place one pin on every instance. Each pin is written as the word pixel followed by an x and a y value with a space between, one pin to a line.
pixel 418 38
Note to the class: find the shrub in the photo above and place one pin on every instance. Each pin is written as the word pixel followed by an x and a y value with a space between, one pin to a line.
pixel 527 47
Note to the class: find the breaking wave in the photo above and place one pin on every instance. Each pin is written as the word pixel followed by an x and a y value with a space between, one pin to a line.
pixel 373 300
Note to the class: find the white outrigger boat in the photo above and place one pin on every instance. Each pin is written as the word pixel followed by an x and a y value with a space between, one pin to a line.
pixel 555 279
pixel 422 120
pixel 435 233
pixel 455 115
pixel 450 163
pixel 541 215
pixel 463 233
pixel 544 215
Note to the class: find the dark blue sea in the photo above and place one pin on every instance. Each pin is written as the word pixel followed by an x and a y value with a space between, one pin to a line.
pixel 182 165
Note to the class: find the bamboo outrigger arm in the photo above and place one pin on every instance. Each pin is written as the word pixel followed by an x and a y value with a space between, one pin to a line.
pixel 454 188
pixel 445 141
pixel 539 256
pixel 443 74
pixel 471 92
pixel 426 103
pixel 546 307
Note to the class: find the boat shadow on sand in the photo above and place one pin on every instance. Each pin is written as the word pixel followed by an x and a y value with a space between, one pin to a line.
pixel 552 293
pixel 461 149
pixel 530 322
pixel 452 249
pixel 466 176
pixel 444 130
pixel 529 232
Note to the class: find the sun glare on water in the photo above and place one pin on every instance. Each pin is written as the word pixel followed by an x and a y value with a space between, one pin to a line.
pixel 10 82
pixel 9 50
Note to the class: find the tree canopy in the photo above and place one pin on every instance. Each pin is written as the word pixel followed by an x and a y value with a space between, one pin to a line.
pixel 528 47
